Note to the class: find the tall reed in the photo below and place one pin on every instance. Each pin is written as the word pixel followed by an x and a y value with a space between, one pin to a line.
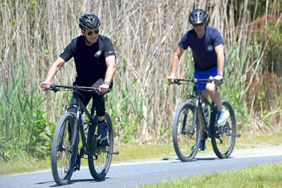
pixel 145 33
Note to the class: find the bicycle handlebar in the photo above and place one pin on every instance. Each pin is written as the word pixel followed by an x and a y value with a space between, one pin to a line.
pixel 56 88
pixel 179 81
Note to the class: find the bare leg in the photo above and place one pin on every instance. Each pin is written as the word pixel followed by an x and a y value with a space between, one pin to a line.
pixel 214 94
pixel 206 96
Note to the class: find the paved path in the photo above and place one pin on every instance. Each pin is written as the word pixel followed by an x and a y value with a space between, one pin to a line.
pixel 147 172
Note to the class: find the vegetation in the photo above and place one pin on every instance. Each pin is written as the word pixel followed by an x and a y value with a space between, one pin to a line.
pixel 139 152
pixel 145 33
pixel 254 176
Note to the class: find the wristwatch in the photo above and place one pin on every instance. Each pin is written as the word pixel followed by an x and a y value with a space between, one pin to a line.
pixel 107 83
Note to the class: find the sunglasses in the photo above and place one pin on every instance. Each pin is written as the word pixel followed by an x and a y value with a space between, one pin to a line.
pixel 198 24
pixel 91 32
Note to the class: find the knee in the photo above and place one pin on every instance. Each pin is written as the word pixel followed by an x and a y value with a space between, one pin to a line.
pixel 210 88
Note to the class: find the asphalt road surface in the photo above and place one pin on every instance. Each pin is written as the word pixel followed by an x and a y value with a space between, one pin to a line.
pixel 148 172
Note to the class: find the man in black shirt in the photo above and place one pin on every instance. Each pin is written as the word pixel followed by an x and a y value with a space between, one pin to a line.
pixel 94 58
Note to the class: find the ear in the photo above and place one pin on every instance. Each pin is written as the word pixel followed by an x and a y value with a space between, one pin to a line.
pixel 83 31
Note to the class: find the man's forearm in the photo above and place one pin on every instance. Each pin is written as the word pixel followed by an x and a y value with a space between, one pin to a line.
pixel 220 59
pixel 110 73
pixel 175 60
pixel 111 69
pixel 52 72
pixel 220 65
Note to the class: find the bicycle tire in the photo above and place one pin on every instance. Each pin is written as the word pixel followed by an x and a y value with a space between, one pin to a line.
pixel 65 144
pixel 185 140
pixel 99 162
pixel 223 138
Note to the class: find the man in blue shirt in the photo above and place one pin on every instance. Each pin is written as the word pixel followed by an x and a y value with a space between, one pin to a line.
pixel 207 46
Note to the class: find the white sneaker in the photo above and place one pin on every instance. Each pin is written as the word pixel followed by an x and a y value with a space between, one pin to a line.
pixel 224 114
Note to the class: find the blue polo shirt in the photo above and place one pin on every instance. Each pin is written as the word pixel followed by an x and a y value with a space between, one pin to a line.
pixel 203 49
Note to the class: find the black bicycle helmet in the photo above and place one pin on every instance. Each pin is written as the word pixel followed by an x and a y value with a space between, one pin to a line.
pixel 89 21
pixel 198 16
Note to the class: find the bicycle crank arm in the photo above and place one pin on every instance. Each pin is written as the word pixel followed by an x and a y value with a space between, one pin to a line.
pixel 114 153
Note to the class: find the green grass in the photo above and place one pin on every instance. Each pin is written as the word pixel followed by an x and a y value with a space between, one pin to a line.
pixel 135 152
pixel 127 153
pixel 142 152
pixel 257 141
pixel 24 165
pixel 265 175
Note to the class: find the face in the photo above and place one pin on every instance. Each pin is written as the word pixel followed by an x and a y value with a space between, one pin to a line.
pixel 91 35
pixel 200 29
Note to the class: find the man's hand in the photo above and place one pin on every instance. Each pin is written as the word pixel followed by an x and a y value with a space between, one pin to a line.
pixel 46 85
pixel 217 79
pixel 171 79
pixel 104 88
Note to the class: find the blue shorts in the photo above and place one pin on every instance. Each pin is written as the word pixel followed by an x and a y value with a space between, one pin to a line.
pixel 204 75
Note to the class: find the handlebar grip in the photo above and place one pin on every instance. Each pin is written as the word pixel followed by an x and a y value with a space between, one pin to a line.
pixel 220 81
pixel 96 90
pixel 177 81
pixel 54 88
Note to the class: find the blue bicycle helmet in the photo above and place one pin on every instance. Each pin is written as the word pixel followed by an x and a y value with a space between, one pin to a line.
pixel 89 21
pixel 198 16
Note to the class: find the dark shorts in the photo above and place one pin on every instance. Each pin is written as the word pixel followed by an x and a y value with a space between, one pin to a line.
pixel 204 75
pixel 98 101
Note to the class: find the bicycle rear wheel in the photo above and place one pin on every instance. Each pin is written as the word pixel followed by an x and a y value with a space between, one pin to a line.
pixel 99 159
pixel 185 132
pixel 64 149
pixel 223 138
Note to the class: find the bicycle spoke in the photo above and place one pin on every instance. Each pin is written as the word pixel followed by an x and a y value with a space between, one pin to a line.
pixel 100 157
pixel 63 150
pixel 223 142
pixel 185 133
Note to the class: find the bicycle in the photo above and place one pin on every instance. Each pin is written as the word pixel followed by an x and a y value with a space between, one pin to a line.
pixel 70 129
pixel 190 125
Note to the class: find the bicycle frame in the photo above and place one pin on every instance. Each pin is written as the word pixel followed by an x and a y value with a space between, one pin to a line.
pixel 198 111
pixel 80 108
pixel 222 137
pixel 99 156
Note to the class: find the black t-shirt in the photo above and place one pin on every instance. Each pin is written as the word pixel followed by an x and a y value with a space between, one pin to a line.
pixel 89 61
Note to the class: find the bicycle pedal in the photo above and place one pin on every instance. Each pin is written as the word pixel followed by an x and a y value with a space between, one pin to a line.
pixel 76 168
pixel 96 156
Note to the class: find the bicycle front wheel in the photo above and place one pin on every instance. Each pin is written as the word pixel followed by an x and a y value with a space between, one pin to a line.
pixel 64 149
pixel 223 137
pixel 99 159
pixel 185 132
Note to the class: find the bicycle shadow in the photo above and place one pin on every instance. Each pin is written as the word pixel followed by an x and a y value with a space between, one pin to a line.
pixel 177 160
pixel 90 180
pixel 211 158
pixel 205 158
